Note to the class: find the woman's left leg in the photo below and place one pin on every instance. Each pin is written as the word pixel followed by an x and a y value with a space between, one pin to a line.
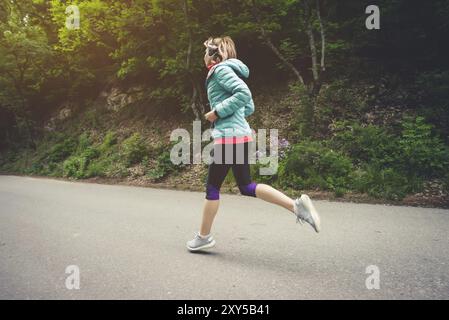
pixel 270 194
pixel 242 175
pixel 265 192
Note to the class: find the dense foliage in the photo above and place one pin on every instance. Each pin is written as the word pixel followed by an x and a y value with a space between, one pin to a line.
pixel 345 78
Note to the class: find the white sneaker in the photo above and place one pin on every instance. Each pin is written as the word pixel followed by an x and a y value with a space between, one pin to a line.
pixel 306 212
pixel 200 243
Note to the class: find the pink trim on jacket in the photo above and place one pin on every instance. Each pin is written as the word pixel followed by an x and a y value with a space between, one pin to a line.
pixel 233 140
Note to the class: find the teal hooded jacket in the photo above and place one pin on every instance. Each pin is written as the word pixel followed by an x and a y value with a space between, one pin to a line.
pixel 230 97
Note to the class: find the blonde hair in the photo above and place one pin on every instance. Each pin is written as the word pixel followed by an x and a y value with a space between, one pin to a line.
pixel 224 47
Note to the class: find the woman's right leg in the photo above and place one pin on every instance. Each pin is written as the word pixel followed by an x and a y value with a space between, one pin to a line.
pixel 216 174
pixel 210 210
pixel 203 239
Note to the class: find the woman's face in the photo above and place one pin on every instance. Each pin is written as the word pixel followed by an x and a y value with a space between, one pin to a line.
pixel 207 58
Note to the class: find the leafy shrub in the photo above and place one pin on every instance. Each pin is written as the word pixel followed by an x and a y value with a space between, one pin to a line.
pixel 365 143
pixel 113 166
pixel 313 165
pixel 84 142
pixel 55 169
pixel 108 162
pixel 164 166
pixel 98 168
pixel 35 168
pixel 255 173
pixel 109 140
pixel 61 151
pixel 392 165
pixel 134 149
pixel 422 154
pixel 76 166
pixel 381 183
pixel 8 157
pixel 340 192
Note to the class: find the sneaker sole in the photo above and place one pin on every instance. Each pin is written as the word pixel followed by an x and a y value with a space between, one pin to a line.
pixel 315 216
pixel 206 246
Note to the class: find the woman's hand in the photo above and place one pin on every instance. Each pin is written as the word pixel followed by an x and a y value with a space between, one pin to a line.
pixel 211 116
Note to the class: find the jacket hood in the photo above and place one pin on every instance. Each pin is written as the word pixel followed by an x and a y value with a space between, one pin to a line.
pixel 238 66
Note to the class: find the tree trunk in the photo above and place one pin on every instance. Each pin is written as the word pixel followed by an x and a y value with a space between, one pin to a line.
pixel 312 44
pixel 200 98
pixel 196 97
pixel 193 104
pixel 323 36
pixel 318 68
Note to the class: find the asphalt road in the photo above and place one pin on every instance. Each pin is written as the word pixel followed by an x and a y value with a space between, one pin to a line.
pixel 129 243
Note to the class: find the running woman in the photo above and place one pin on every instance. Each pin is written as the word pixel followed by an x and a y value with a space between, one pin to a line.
pixel 231 102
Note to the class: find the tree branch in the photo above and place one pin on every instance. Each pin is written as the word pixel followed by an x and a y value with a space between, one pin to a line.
pixel 270 44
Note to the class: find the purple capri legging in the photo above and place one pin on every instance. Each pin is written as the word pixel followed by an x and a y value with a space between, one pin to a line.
pixel 219 169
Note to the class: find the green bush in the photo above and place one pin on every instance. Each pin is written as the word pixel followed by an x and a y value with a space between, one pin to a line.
pixel 164 166
pixel 76 166
pixel 379 171
pixel 112 166
pixel 109 162
pixel 255 173
pixel 61 151
pixel 98 168
pixel 7 158
pixel 422 153
pixel 134 149
pixel 365 144
pixel 313 165
pixel 35 168
pixel 392 166
pixel 84 142
pixel 55 169
pixel 109 140
pixel 381 183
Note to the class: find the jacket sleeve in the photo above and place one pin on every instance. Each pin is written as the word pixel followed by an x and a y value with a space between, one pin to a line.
pixel 249 108
pixel 240 93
